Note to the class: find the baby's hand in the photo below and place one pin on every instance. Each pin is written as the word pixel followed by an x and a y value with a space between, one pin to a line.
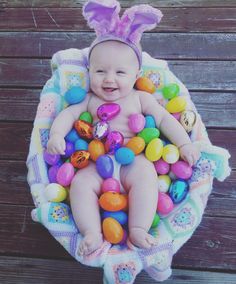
pixel 190 153
pixel 56 144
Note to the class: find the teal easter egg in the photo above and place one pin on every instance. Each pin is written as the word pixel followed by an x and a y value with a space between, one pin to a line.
pixel 178 190
pixel 75 95
pixel 81 144
pixel 119 216
pixel 170 91
pixel 149 121
pixel 148 134
pixel 124 156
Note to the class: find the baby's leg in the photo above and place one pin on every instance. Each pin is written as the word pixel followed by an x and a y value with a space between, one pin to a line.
pixel 140 179
pixel 85 188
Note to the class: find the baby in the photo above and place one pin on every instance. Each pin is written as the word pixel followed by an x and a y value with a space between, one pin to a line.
pixel 114 66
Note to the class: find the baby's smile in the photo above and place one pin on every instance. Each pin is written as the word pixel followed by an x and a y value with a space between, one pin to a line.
pixel 109 89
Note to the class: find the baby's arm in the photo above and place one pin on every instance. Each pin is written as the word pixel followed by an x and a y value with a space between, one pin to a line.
pixel 170 127
pixel 62 124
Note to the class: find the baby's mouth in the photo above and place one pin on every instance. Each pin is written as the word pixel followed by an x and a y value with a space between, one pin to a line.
pixel 109 90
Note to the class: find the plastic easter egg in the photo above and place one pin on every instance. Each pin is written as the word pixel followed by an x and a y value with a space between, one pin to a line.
pixel 177 104
pixel 51 159
pixel 136 144
pixel 182 169
pixel 108 111
pixel 170 154
pixel 72 136
pixel 156 221
pixel 161 167
pixel 86 116
pixel 69 149
pixel 136 122
pixel 170 91
pixel 80 159
pixel 148 134
pixel 112 231
pixel 112 201
pixel 52 173
pixel 75 95
pixel 119 216
pixel 165 204
pixel 81 144
pixel 177 115
pixel 54 192
pixel 145 84
pixel 188 119
pixel 105 166
pixel 154 150
pixel 150 122
pixel 178 190
pixel 100 129
pixel 110 184
pixel 96 149
pixel 164 182
pixel 84 129
pixel 124 156
pixel 65 174
pixel 124 239
pixel 114 141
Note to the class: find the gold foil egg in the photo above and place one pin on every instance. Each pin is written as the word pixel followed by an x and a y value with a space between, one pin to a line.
pixel 188 120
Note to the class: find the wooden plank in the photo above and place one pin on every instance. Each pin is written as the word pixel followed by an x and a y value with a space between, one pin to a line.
pixel 196 75
pixel 212 245
pixel 191 19
pixel 186 45
pixel 52 271
pixel 124 3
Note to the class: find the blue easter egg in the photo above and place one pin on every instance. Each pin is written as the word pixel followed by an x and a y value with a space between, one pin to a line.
pixel 178 190
pixel 150 121
pixel 75 95
pixel 119 216
pixel 81 144
pixel 72 136
pixel 124 156
pixel 105 166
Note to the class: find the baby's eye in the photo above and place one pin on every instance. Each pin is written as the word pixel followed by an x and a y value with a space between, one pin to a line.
pixel 120 72
pixel 99 71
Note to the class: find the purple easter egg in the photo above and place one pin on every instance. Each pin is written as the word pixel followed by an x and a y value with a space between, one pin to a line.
pixel 114 141
pixel 105 166
pixel 161 167
pixel 136 122
pixel 52 173
pixel 65 174
pixel 100 130
pixel 69 149
pixel 108 111
pixel 51 159
pixel 182 169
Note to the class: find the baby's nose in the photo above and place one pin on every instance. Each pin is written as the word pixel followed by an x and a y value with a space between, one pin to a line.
pixel 109 77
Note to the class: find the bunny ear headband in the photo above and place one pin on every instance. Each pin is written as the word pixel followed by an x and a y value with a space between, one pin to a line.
pixel 103 17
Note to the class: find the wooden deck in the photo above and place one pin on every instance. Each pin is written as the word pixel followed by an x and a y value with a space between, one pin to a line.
pixel 198 38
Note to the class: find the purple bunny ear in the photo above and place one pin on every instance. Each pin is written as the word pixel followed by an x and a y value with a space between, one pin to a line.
pixel 102 15
pixel 138 19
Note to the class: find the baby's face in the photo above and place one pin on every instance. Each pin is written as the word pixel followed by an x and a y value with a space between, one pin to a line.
pixel 113 70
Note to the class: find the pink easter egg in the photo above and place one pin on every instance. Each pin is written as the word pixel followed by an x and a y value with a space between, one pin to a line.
pixel 177 115
pixel 182 169
pixel 108 111
pixel 162 167
pixel 65 174
pixel 164 205
pixel 111 184
pixel 136 122
pixel 114 141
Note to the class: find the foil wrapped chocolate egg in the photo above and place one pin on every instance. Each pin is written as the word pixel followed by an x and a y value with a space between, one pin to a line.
pixel 100 129
pixel 114 141
pixel 188 120
pixel 84 129
pixel 178 190
pixel 108 111
pixel 80 159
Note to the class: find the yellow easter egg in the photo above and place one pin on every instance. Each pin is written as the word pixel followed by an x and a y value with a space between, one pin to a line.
pixel 54 192
pixel 112 230
pixel 136 144
pixel 164 182
pixel 170 154
pixel 177 104
pixel 154 150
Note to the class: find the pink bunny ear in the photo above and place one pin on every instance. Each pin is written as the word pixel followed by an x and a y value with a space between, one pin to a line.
pixel 138 19
pixel 102 15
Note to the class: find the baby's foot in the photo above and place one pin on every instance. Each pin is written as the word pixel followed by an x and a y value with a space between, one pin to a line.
pixel 90 243
pixel 140 238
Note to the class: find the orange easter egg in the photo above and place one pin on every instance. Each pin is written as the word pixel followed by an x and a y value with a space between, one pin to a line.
pixel 145 84
pixel 80 159
pixel 84 129
pixel 112 230
pixel 136 144
pixel 96 149
pixel 113 201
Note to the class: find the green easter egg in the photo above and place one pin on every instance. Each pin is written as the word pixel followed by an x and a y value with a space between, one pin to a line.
pixel 170 91
pixel 148 134
pixel 86 116
pixel 155 221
